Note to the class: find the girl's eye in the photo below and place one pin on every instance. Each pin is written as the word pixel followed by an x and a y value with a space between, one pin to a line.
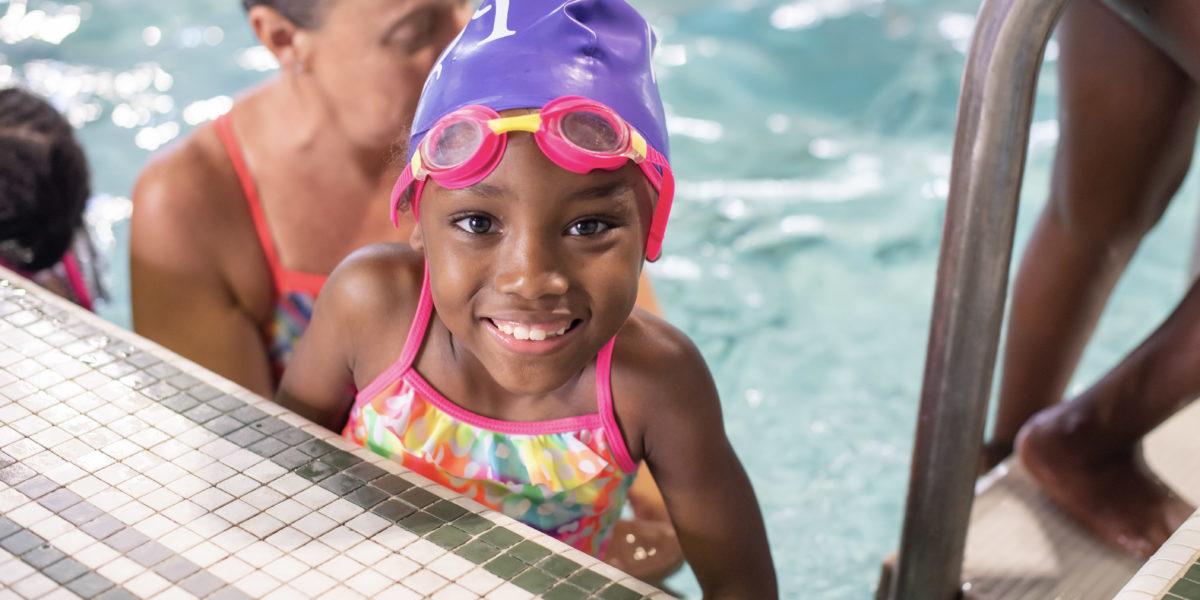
pixel 588 227
pixel 476 224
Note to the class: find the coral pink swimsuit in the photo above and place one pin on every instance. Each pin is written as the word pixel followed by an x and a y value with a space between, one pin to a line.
pixel 566 477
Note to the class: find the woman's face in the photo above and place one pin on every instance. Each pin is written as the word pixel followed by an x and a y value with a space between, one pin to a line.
pixel 535 268
pixel 369 59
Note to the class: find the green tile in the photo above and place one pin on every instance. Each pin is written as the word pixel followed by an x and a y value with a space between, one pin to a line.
pixel 534 581
pixel 446 510
pixel 619 592
pixel 529 552
pixel 420 523
pixel 419 497
pixel 505 567
pixel 315 471
pixel 559 566
pixel 501 537
pixel 1187 588
pixel 448 537
pixel 473 524
pixel 478 551
pixel 589 580
pixel 1193 573
pixel 565 591
pixel 394 510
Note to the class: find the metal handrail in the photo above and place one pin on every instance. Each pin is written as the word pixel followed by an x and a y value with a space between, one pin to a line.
pixel 990 143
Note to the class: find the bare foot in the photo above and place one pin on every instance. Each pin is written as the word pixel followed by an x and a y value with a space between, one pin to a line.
pixel 1115 495
pixel 645 549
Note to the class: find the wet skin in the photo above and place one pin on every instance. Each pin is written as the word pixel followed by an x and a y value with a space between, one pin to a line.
pixel 1129 109
pixel 534 243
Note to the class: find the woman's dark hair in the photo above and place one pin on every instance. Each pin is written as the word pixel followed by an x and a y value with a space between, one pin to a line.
pixel 43 182
pixel 304 13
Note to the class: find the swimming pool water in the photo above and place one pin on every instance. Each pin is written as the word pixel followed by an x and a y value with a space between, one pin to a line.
pixel 811 139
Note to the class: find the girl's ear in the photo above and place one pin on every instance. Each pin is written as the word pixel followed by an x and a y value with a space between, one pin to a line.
pixel 416 238
pixel 283 38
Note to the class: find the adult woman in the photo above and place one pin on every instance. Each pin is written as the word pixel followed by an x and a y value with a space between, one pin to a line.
pixel 235 229
pixel 1129 108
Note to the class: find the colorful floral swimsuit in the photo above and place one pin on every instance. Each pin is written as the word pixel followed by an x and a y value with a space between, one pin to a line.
pixel 566 477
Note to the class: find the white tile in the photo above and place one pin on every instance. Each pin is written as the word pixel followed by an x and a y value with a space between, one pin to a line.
pixel 288 511
pixel 160 499
pixel 341 591
pixel 181 539
pixel 138 486
pixel 196 437
pixel 508 591
pixel 451 566
pixel 211 498
pixel 34 586
pixel 368 552
pixel 315 524
pixel 236 511
pixel 1160 568
pixel 231 569
pixel 174 593
pixel 395 538
pixel 423 551
pixel 29 514
pixel 234 539
pixel 170 449
pixel 341 538
pixel 52 437
pixel 72 542
pixel 165 473
pixel 131 512
pixel 396 567
pixel 315 497
pixel 65 473
pixel 110 499
pixel 263 498
pixel 289 484
pixel 314 553
pixel 241 460
pixel 287 539
pixel 10 499
pixel 368 524
pixel 1140 583
pixel 121 449
pixel 638 586
pixel 218 448
pixel 455 592
pixel 208 525
pixel 368 583
pixel 51 527
pixel 13 571
pixel 115 474
pixel 205 554
pixel 239 485
pixel 96 555
pixel 148 438
pixel 425 582
pixel 120 570
pixel 479 581
pixel 609 571
pixel 59 594
pixel 188 486
pixel 262 525
pixel 265 471
pixel 398 592
pixel 341 510
pixel 257 584
pixel 340 567
pixel 285 568
pixel 313 582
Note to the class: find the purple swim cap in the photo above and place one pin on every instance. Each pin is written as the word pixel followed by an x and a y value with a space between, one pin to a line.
pixel 525 53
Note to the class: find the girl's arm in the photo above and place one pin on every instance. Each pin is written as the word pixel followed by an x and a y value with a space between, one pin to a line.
pixel 708 494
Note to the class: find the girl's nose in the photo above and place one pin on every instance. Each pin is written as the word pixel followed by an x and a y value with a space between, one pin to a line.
pixel 532 270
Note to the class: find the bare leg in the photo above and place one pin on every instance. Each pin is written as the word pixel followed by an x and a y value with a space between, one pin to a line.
pixel 1128 115
pixel 1086 453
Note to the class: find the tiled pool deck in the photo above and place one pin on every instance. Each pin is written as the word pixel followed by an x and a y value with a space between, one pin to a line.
pixel 126 471
pixel 1173 573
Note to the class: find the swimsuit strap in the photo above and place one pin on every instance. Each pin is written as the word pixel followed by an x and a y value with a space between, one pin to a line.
pixel 604 405
pixel 412 345
pixel 284 279
pixel 76 280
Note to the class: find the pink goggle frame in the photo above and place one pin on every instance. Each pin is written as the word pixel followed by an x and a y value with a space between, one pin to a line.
pixel 578 134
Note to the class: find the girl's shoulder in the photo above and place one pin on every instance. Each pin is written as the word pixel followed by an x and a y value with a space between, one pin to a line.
pixel 376 281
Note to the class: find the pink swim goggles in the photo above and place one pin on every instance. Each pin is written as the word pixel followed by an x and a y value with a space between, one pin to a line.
pixel 578 134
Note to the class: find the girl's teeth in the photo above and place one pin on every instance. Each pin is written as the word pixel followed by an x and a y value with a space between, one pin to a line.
pixel 522 332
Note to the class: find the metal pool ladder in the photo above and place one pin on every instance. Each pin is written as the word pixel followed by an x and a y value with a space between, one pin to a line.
pixel 990 144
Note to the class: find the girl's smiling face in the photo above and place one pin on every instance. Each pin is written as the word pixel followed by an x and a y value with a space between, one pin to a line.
pixel 535 268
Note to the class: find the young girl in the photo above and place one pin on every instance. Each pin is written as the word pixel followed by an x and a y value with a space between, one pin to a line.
pixel 525 378
pixel 43 191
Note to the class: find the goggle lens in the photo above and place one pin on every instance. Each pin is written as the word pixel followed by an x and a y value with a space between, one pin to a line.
pixel 593 132
pixel 454 144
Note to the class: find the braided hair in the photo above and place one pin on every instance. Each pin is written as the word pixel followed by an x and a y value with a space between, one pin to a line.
pixel 43 182
pixel 305 14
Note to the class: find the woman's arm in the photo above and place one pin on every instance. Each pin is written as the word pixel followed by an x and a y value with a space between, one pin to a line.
pixel 181 297
pixel 708 495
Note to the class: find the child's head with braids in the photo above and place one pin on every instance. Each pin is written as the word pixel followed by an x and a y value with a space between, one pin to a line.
pixel 43 182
